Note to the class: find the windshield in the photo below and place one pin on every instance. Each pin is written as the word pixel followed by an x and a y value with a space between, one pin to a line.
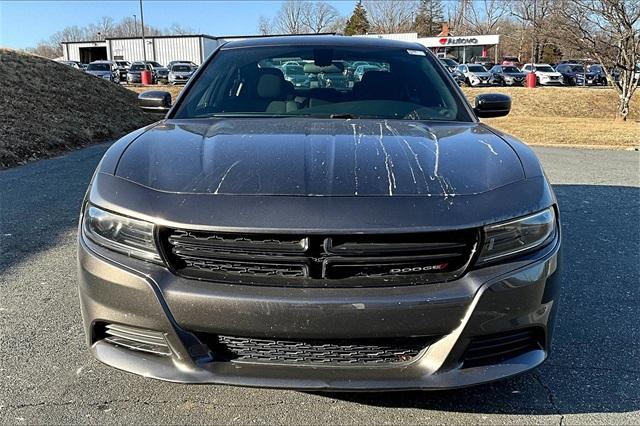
pixel 477 68
pixel 510 69
pixel 249 82
pixel 181 68
pixel 137 67
pixel 98 67
pixel 544 68
pixel 155 64
pixel 577 68
pixel 449 62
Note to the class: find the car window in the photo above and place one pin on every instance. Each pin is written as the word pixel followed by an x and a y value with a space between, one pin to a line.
pixel 496 68
pixel 406 84
pixel 544 68
pixel 477 68
pixel 99 67
pixel 137 67
pixel 510 69
pixel 181 68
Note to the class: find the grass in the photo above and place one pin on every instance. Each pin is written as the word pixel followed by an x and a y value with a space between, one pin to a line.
pixel 557 116
pixel 47 108
pixel 551 116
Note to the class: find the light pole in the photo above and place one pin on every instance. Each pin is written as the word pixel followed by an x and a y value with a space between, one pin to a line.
pixel 135 25
pixel 144 46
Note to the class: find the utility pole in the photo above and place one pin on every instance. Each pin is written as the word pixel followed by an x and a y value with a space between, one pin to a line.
pixel 144 45
pixel 135 25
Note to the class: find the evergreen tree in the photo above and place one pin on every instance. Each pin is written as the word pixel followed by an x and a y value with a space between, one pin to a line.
pixel 429 18
pixel 358 22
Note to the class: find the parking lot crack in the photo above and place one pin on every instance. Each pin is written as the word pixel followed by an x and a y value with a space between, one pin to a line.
pixel 550 397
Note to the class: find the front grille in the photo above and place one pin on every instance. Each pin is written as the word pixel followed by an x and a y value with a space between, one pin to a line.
pixel 496 348
pixel 319 261
pixel 370 351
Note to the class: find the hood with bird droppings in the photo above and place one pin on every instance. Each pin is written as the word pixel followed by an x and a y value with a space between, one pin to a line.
pixel 319 157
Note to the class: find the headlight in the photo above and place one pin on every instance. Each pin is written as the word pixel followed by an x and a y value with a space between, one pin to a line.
pixel 119 233
pixel 518 236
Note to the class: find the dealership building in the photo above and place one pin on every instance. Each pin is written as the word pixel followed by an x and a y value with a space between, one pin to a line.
pixel 162 49
pixel 196 48
pixel 462 48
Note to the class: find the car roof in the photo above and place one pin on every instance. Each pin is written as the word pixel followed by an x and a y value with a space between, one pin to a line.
pixel 322 40
pixel 102 61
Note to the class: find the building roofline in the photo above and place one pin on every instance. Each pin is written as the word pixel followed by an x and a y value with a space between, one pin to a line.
pixel 197 35
pixel 83 41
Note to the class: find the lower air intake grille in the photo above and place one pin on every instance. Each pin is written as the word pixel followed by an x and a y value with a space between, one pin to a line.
pixel 137 339
pixel 378 351
pixel 495 348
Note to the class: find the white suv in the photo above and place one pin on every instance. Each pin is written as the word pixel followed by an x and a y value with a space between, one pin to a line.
pixel 545 74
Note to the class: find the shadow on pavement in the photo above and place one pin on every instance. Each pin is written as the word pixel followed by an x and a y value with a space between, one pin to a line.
pixel 40 203
pixel 595 363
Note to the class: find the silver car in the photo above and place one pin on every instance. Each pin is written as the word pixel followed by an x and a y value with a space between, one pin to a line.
pixel 180 73
pixel 107 70
pixel 476 75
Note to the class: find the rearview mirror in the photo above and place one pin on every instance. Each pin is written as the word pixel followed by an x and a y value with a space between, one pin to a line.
pixel 492 105
pixel 155 101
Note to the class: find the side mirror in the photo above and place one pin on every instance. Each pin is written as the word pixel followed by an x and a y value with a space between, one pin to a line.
pixel 155 101
pixel 492 105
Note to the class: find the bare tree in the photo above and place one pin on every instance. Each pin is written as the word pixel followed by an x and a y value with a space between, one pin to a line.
pixel 299 17
pixel 609 31
pixel 456 12
pixel 319 16
pixel 178 29
pixel 264 25
pixel 289 19
pixel 391 16
pixel 101 29
pixel 537 15
pixel 484 16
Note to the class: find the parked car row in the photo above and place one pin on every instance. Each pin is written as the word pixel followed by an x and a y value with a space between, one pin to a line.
pixel 508 73
pixel 176 72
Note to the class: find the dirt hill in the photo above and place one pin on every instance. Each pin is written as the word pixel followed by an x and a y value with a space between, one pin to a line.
pixel 47 108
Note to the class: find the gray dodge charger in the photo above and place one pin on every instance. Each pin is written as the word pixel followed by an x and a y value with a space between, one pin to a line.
pixel 370 236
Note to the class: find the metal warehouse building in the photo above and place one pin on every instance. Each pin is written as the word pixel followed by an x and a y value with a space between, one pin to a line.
pixel 162 49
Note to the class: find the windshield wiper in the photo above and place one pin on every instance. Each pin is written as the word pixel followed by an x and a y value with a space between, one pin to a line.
pixel 341 116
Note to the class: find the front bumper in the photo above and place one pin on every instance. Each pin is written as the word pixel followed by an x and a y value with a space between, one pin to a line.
pixel 120 290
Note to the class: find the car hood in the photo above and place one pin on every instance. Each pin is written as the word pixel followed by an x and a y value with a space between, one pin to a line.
pixel 549 74
pixel 319 157
pixel 515 74
pixel 99 73
pixel 182 73
pixel 481 74
pixel 580 74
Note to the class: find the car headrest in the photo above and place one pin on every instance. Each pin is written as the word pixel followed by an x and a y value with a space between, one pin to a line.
pixel 377 85
pixel 271 84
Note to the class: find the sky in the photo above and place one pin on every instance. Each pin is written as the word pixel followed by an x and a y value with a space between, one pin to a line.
pixel 24 23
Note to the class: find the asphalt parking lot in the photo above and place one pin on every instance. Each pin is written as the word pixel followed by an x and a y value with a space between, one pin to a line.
pixel 593 376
